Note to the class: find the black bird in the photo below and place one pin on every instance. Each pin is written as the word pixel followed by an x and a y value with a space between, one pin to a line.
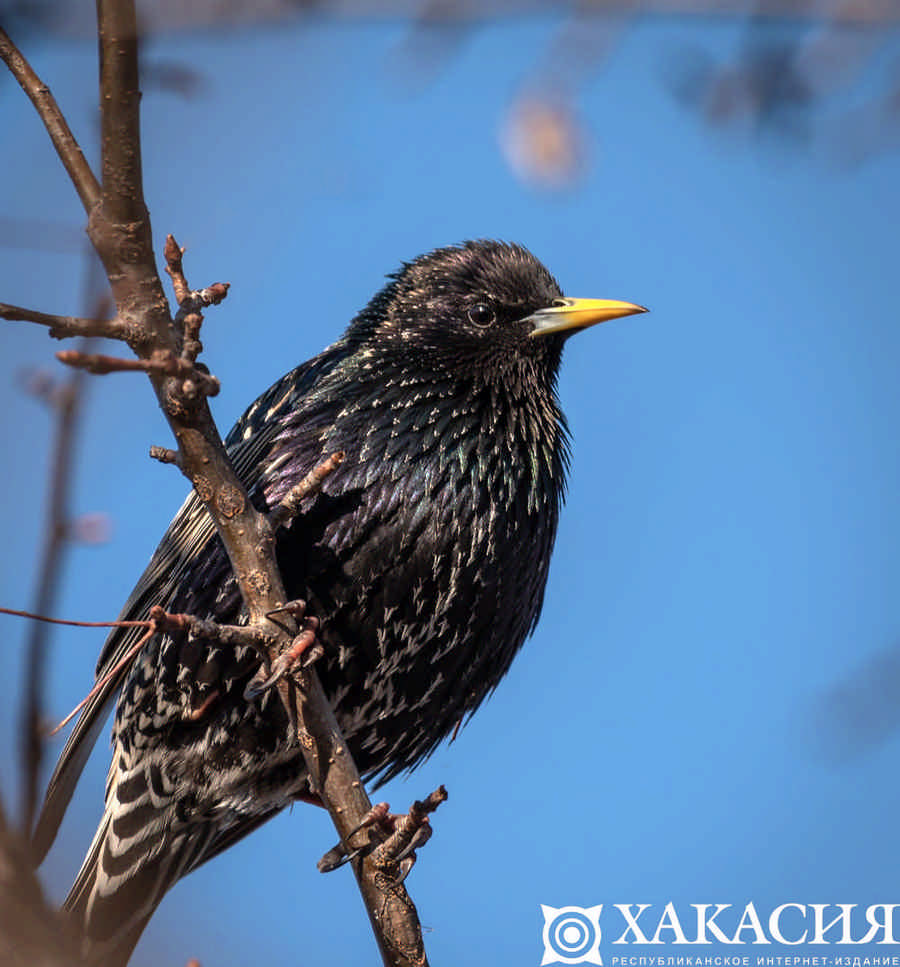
pixel 425 556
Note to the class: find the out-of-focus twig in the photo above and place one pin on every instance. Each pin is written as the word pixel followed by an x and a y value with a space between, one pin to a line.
pixel 166 15
pixel 68 400
pixel 32 934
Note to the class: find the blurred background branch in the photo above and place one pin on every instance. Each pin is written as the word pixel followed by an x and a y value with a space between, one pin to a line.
pixel 65 399
pixel 165 15
pixel 785 77
pixel 31 931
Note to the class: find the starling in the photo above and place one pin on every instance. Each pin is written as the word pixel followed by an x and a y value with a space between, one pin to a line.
pixel 424 555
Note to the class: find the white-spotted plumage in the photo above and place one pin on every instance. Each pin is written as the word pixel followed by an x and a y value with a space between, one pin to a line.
pixel 425 556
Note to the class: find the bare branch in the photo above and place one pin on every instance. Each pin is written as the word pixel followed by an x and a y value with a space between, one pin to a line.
pixel 189 319
pixel 67 404
pixel 67 147
pixel 120 127
pixel 100 364
pixel 63 327
pixel 74 624
pixel 165 455
pixel 233 635
pixel 119 227
pixel 290 506
pixel 173 253
pixel 162 362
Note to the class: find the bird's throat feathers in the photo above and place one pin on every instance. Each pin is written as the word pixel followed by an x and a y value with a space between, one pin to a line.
pixel 505 436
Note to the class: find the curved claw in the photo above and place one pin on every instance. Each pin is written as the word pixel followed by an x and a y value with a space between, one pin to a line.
pixel 304 650
pixel 337 857
pixel 419 839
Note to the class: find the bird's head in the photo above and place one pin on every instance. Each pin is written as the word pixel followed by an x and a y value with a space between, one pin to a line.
pixel 482 306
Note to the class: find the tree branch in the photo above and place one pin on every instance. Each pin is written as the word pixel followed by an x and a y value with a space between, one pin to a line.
pixel 162 362
pixel 67 404
pixel 120 128
pixel 63 327
pixel 119 227
pixel 67 147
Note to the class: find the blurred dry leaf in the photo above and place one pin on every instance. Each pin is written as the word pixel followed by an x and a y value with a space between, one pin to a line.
pixel 543 142
pixel 92 528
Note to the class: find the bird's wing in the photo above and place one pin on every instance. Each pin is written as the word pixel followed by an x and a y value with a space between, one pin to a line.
pixel 189 544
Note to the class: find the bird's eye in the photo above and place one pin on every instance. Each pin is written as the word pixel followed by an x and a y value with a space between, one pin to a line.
pixel 481 314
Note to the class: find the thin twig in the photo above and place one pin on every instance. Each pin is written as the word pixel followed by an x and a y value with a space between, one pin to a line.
pixel 162 621
pixel 189 317
pixel 100 684
pixel 62 327
pixel 162 362
pixel 173 254
pixel 165 455
pixel 232 635
pixel 310 484
pixel 67 147
pixel 74 624
pixel 68 404
pixel 100 364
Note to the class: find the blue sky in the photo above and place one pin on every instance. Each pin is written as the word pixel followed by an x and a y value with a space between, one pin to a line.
pixel 729 552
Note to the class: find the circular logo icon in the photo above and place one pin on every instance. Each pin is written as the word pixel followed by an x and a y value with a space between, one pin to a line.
pixel 571 934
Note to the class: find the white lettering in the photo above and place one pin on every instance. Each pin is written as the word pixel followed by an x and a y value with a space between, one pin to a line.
pixel 632 922
pixel 775 925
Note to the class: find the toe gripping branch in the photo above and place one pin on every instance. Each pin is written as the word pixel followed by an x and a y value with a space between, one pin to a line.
pixel 303 651
pixel 391 838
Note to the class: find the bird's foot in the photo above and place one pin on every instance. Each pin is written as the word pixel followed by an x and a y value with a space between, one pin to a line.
pixel 377 817
pixel 393 837
pixel 406 857
pixel 303 651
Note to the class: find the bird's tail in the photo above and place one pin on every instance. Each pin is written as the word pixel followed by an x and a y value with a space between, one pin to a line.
pixel 120 885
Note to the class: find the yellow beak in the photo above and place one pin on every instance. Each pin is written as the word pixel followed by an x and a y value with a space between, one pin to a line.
pixel 569 315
